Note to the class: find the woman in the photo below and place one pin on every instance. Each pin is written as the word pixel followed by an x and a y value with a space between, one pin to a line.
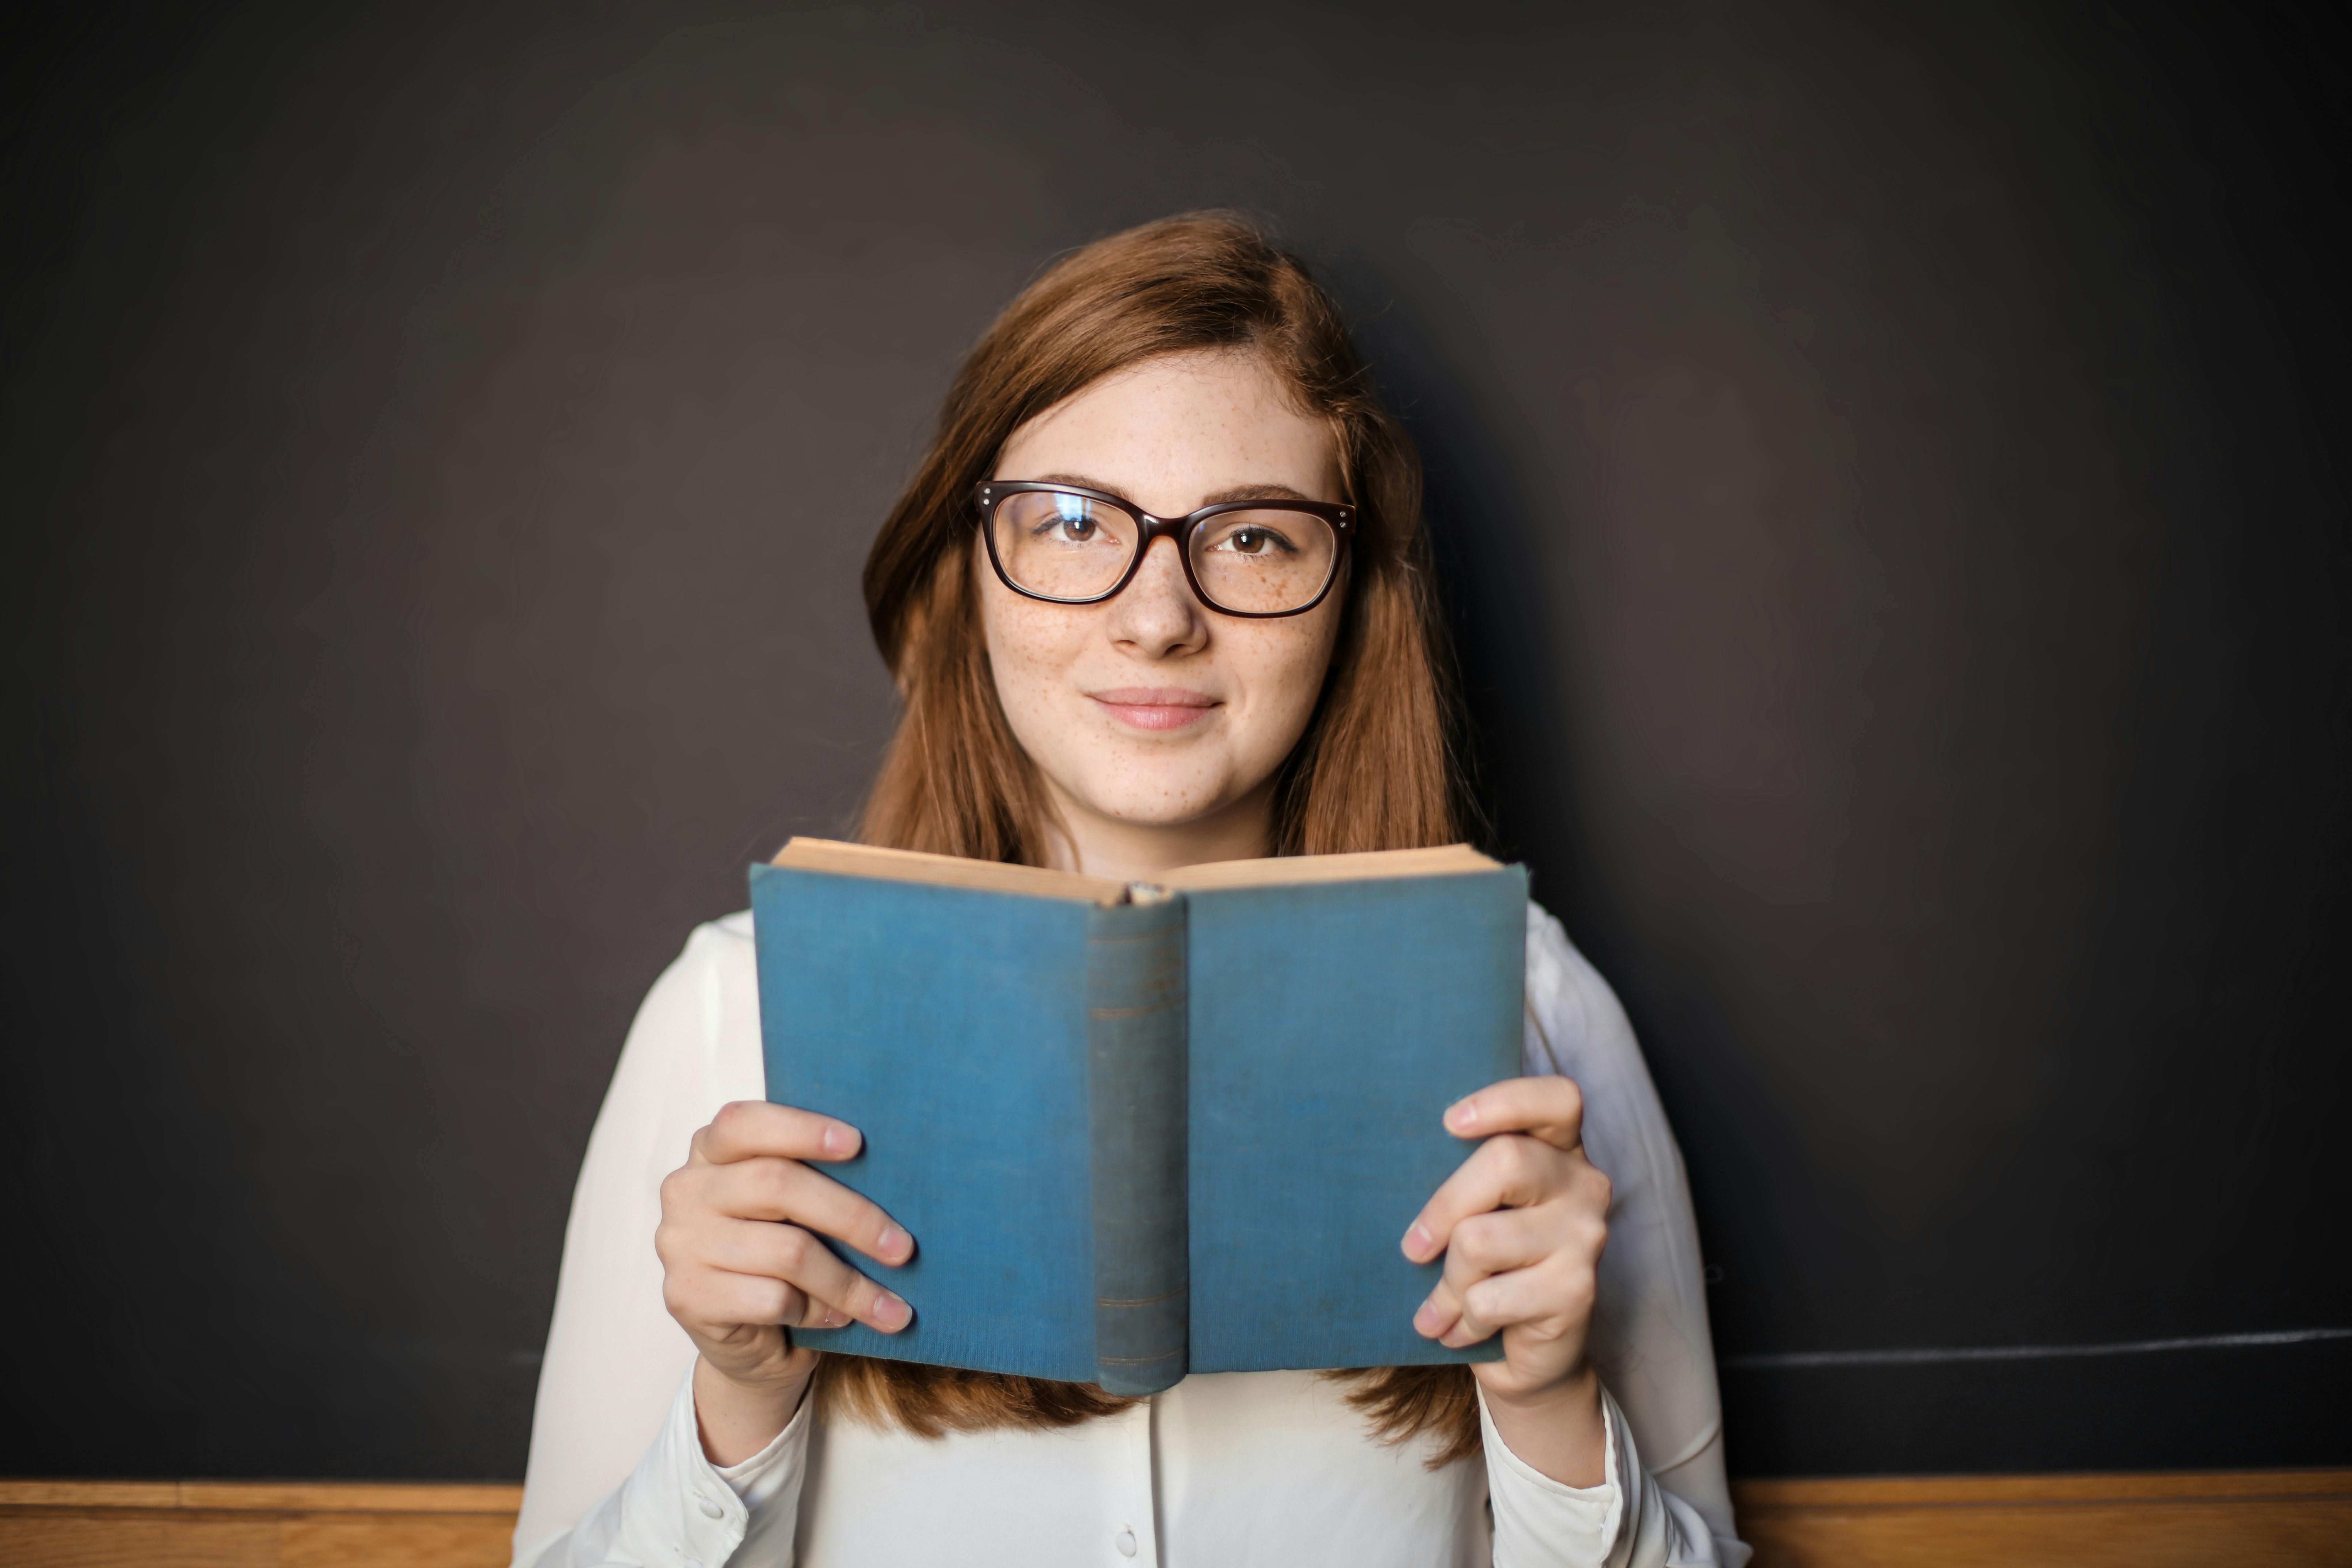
pixel 1080 691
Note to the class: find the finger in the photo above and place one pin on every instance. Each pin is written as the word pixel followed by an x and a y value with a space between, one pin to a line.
pixel 1543 1301
pixel 808 1263
pixel 1502 1239
pixel 1549 1108
pixel 797 1256
pixel 716 1301
pixel 769 1189
pixel 1471 1324
pixel 1511 1172
pixel 1483 1245
pixel 749 1129
pixel 1451 1318
pixel 1436 1316
pixel 754 1247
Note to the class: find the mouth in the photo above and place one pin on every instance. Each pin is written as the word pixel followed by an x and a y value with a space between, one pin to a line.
pixel 1157 708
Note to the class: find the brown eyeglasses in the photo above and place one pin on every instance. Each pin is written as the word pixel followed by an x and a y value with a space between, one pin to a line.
pixel 1073 546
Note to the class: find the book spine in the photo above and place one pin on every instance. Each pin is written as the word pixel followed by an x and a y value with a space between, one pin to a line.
pixel 1136 1092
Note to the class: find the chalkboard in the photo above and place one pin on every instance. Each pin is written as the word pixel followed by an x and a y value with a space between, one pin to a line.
pixel 1888 470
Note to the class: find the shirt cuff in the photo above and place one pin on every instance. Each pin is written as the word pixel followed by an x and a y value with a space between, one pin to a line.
pixel 678 1508
pixel 758 1480
pixel 1541 1520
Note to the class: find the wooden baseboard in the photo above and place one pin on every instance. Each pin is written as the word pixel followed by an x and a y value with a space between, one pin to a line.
pixel 250 1524
pixel 2266 1519
pixel 2247 1518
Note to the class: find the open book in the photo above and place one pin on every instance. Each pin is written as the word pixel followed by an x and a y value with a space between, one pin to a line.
pixel 1142 1129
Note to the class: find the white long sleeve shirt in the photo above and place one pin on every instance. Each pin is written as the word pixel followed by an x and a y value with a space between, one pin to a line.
pixel 1224 1470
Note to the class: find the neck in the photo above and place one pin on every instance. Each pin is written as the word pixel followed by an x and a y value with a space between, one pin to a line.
pixel 1125 851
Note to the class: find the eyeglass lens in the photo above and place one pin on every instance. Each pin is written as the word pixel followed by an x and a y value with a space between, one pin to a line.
pixel 1259 561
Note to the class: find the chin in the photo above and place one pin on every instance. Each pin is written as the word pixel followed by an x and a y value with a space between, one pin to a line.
pixel 1151 803
pixel 1152 813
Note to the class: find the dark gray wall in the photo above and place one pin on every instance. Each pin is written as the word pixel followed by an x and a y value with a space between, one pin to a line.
pixel 1888 463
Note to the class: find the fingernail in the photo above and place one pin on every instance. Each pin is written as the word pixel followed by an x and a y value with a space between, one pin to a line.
pixel 893 1244
pixel 1462 1116
pixel 889 1314
pixel 1425 1320
pixel 834 1318
pixel 838 1139
pixel 1418 1242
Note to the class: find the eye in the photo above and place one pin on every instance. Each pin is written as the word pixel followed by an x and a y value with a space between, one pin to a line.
pixel 1069 522
pixel 1255 538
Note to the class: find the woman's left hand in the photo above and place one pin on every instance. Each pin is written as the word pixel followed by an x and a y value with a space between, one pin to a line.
pixel 1521 1225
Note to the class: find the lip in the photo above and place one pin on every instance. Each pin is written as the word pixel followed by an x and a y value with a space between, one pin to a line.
pixel 1155 707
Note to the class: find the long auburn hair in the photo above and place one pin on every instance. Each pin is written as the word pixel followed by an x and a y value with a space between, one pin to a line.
pixel 1378 768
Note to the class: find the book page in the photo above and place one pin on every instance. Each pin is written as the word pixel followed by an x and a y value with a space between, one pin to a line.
pixel 946 871
pixel 954 871
pixel 1449 860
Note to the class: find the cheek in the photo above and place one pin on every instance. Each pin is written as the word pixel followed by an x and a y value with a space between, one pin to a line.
pixel 1028 645
pixel 1285 663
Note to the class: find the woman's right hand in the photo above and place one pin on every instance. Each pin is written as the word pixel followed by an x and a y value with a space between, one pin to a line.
pixel 741 1263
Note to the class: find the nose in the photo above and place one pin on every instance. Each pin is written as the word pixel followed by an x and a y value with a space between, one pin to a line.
pixel 1156 615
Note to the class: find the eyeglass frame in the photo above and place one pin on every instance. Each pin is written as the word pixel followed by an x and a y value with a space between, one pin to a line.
pixel 987 493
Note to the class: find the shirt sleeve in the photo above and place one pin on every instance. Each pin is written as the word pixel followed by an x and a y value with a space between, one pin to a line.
pixel 1650 1337
pixel 1626 1521
pixel 614 1358
pixel 678 1510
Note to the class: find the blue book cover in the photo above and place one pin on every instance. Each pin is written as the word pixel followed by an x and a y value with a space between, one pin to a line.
pixel 1141 1131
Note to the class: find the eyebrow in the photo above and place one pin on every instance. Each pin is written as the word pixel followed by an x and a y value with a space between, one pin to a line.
pixel 1233 494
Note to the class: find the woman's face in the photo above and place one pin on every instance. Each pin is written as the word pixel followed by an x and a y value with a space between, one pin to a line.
pixel 1151 711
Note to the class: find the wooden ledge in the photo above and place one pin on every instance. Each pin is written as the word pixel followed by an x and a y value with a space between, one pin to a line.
pixel 2259 1519
pixel 256 1524
pixel 269 1497
pixel 2250 1519
pixel 1972 1491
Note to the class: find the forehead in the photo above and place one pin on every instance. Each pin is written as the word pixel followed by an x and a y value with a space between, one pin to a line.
pixel 1179 415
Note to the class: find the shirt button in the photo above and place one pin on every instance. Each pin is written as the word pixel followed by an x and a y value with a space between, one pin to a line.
pixel 1125 1542
pixel 709 1508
